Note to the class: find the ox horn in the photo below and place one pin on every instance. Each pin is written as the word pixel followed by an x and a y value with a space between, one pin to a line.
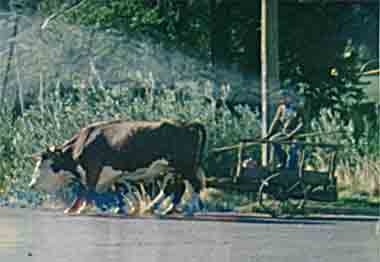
pixel 35 156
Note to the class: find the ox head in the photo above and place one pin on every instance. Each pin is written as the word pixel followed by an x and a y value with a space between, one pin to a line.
pixel 51 170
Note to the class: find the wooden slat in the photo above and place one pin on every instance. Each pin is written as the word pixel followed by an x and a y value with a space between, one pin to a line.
pixel 239 161
pixel 322 145
pixel 252 182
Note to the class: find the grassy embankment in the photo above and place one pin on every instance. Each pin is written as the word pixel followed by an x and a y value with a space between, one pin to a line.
pixel 358 172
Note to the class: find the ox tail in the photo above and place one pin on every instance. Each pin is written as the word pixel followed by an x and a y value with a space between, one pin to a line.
pixel 201 144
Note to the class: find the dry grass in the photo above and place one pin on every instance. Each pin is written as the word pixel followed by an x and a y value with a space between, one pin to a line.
pixel 362 179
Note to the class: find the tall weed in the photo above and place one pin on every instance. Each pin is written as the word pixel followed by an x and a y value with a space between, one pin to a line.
pixel 358 169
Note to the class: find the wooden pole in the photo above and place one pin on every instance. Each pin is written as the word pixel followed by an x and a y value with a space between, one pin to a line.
pixel 269 64
pixel 239 161
pixel 264 71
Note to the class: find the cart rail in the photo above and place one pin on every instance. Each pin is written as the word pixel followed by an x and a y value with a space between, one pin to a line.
pixel 252 142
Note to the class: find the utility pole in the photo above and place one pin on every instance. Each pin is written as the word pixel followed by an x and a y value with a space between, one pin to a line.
pixel 269 64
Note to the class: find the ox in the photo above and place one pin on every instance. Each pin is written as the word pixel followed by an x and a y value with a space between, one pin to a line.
pixel 103 150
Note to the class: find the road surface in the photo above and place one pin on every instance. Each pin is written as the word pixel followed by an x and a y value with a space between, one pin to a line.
pixel 35 235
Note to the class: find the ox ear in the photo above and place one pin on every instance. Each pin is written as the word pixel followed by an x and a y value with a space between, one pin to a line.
pixel 53 151
pixel 51 148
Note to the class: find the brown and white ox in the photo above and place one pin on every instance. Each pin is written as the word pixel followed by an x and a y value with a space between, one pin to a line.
pixel 105 149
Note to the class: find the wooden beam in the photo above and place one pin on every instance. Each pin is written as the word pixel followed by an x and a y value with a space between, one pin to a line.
pixel 372 72
pixel 269 64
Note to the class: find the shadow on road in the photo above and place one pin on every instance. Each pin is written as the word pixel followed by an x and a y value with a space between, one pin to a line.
pixel 222 218
pixel 318 219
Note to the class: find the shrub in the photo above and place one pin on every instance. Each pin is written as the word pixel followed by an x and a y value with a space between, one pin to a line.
pixel 358 169
pixel 61 118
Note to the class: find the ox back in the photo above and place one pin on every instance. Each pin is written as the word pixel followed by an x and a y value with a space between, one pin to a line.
pixel 129 145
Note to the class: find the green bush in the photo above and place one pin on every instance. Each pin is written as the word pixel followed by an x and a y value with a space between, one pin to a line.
pixel 358 169
pixel 61 118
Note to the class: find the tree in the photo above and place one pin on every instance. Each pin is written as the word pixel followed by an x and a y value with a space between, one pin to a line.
pixel 12 45
pixel 314 38
pixel 4 5
pixel 320 58
pixel 220 32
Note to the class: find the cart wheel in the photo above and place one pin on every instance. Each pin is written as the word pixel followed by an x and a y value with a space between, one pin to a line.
pixel 297 205
pixel 294 206
pixel 272 196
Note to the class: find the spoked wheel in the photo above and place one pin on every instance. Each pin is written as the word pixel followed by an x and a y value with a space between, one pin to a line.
pixel 297 197
pixel 278 199
pixel 295 205
pixel 272 196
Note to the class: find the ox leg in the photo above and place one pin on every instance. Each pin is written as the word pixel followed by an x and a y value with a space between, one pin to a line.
pixel 161 196
pixel 78 205
pixel 86 195
pixel 144 195
pixel 130 202
pixel 177 190
pixel 79 200
pixel 197 183
pixel 172 191
pixel 126 198
pixel 74 206
pixel 195 205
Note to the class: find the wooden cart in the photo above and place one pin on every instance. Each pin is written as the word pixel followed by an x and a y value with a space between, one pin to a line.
pixel 281 190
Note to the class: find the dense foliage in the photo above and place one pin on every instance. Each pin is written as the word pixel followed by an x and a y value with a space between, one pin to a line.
pixel 322 55
pixel 124 48
pixel 61 118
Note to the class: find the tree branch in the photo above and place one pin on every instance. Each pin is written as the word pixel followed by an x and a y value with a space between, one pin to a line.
pixel 9 61
pixel 66 8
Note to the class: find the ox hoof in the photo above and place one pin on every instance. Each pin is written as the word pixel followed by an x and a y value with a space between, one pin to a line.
pixel 77 207
pixel 124 210
pixel 194 206
pixel 166 211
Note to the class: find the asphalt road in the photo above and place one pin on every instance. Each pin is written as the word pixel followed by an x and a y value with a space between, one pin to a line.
pixel 34 235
